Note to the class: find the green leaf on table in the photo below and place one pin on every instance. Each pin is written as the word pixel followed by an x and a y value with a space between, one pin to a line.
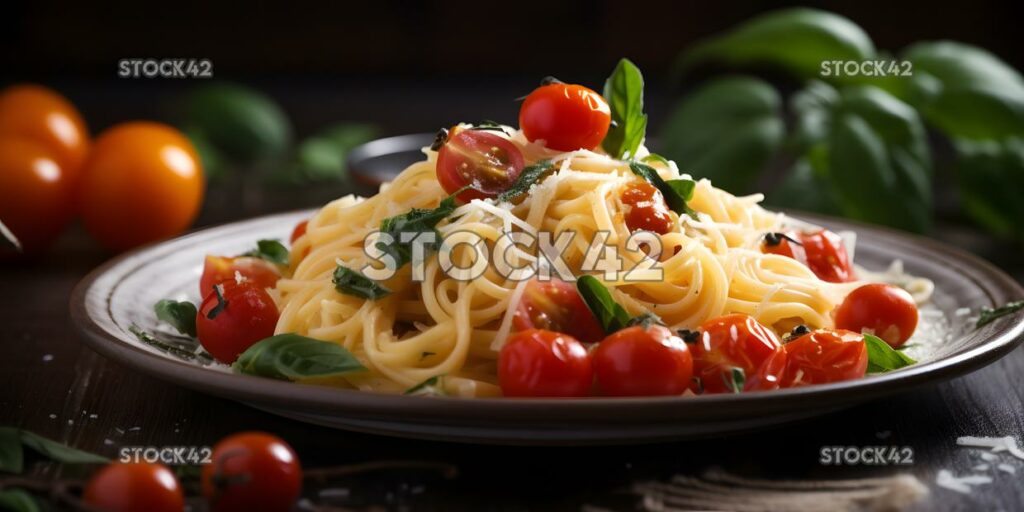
pixel 8 238
pixel 726 131
pixel 799 40
pixel 991 179
pixel 676 192
pixel 624 92
pixel 433 386
pixel 241 122
pixel 58 452
pixel 530 175
pixel 292 357
pixel 351 282
pixel 270 250
pixel 184 348
pixel 883 358
pixel 18 500
pixel 612 316
pixel 989 315
pixel 12 457
pixel 179 314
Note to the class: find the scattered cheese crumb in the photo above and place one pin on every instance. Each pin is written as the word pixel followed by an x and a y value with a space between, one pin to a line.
pixel 1007 468
pixel 980 467
pixel 47 358
pixel 988 457
pixel 53 416
pixel 996 444
pixel 960 484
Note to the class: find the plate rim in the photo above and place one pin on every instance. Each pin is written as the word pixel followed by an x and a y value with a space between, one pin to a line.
pixel 1005 334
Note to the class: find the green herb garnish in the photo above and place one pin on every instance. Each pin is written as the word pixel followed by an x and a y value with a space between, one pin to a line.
pixel 988 315
pixel 645 320
pixel 654 157
pixel 350 282
pixel 415 221
pixel 611 315
pixel 526 179
pixel 676 192
pixel 183 348
pixel 270 250
pixel 735 380
pixel 624 92
pixel 180 315
pixel 433 386
pixel 292 357
pixel 883 358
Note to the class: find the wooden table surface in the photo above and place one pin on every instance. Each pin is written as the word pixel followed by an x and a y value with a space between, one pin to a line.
pixel 52 384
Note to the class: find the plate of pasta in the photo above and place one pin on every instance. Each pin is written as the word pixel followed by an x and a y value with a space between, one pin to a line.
pixel 555 282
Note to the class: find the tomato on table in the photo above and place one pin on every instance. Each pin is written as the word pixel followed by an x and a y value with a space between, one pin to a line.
pixel 566 117
pixel 822 251
pixel 488 163
pixel 221 269
pixel 43 115
pixel 252 471
pixel 737 341
pixel 823 356
pixel 647 208
pixel 142 182
pixel 36 193
pixel 555 305
pixel 643 361
pixel 539 363
pixel 884 310
pixel 134 487
pixel 233 318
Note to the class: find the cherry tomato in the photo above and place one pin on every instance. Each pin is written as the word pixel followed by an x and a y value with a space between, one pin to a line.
pixel 486 162
pixel 36 195
pixel 220 269
pixel 240 316
pixel 142 182
pixel 555 305
pixel 884 310
pixel 300 229
pixel 736 341
pixel 134 487
pixel 566 117
pixel 822 251
pixel 823 356
pixel 252 471
pixel 44 116
pixel 542 363
pixel 647 209
pixel 643 361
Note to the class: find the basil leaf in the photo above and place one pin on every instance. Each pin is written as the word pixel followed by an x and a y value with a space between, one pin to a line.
pixel 624 92
pixel 12 457
pixel 526 179
pixel 676 192
pixel 727 131
pixel 799 40
pixel 270 250
pixel 600 302
pixel 291 357
pixel 186 349
pixel 883 358
pixel 433 386
pixel 58 452
pixel 181 315
pixel 656 158
pixel 416 221
pixel 988 315
pixel 350 282
pixel 991 178
pixel 735 379
pixel 18 500
pixel 8 237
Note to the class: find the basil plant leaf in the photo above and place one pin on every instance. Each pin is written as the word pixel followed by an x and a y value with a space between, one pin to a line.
pixel 624 92
pixel 292 357
pixel 12 455
pixel 991 179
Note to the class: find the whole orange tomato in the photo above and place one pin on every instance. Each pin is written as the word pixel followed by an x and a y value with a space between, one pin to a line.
pixel 43 115
pixel 142 182
pixel 36 195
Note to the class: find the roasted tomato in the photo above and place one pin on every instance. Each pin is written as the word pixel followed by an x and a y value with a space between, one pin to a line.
pixel 485 162
pixel 643 361
pixel 221 269
pixel 252 471
pixel 539 363
pixel 566 117
pixel 647 210
pixel 134 487
pixel 824 356
pixel 822 251
pixel 233 318
pixel 555 305
pixel 732 342
pixel 884 310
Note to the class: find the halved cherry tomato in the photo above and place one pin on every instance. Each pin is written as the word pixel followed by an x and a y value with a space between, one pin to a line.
pixel 824 356
pixel 235 319
pixel 486 162
pixel 221 269
pixel 566 117
pixel 252 471
pixel 46 117
pixel 822 251
pixel 736 341
pixel 643 361
pixel 134 487
pixel 36 194
pixel 555 305
pixel 647 208
pixel 300 229
pixel 142 182
pixel 543 363
pixel 884 310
